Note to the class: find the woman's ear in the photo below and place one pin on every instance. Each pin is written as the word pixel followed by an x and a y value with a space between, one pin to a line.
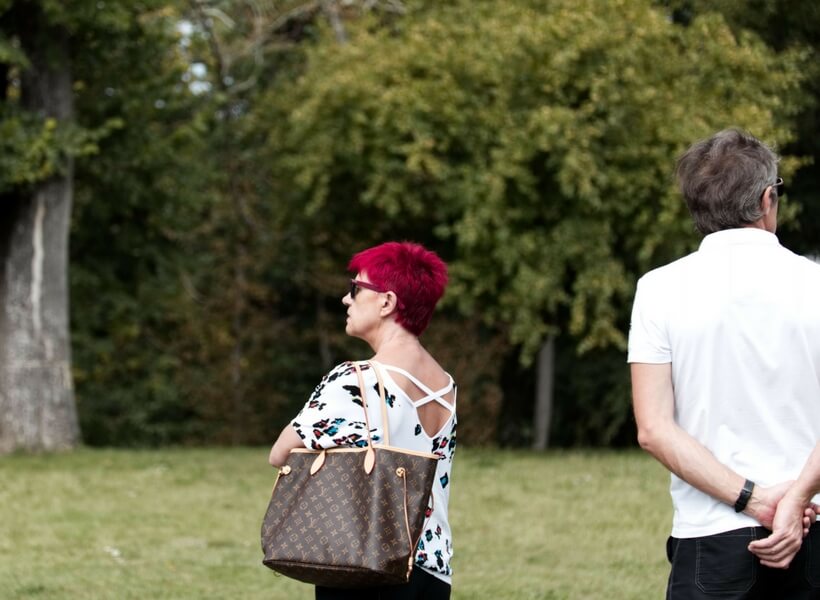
pixel 389 303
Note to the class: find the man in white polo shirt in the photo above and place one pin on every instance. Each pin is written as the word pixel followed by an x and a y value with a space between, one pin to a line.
pixel 724 349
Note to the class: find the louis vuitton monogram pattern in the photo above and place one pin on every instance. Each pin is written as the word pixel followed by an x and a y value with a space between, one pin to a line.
pixel 346 518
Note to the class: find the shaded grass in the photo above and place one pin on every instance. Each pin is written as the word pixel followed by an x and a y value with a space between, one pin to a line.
pixel 180 524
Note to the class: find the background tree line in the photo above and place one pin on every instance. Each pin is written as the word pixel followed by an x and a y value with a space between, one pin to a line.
pixel 213 164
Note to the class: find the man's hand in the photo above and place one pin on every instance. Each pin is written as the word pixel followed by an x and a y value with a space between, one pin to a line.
pixel 810 517
pixel 794 516
pixel 763 504
pixel 790 525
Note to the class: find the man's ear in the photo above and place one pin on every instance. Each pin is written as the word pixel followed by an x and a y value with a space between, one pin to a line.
pixel 766 201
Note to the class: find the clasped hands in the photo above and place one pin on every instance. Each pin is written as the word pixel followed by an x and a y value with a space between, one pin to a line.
pixel 787 516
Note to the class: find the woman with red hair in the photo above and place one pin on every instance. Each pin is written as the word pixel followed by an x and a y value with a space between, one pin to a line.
pixel 390 302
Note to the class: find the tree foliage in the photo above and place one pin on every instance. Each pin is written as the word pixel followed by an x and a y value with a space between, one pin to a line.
pixel 537 143
pixel 198 336
pixel 34 147
pixel 233 154
pixel 785 26
pixel 137 202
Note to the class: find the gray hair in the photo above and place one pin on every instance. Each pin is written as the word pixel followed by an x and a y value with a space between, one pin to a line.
pixel 723 178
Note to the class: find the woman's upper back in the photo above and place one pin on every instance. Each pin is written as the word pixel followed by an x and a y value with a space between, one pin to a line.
pixel 334 416
pixel 424 383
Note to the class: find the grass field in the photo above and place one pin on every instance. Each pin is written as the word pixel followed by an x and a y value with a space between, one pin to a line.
pixel 179 524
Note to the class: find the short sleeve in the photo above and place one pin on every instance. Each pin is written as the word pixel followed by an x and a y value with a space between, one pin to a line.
pixel 648 336
pixel 334 415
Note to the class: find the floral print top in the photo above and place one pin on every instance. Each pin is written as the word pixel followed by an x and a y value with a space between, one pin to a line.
pixel 333 416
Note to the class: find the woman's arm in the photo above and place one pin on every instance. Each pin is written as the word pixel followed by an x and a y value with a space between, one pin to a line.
pixel 333 416
pixel 287 441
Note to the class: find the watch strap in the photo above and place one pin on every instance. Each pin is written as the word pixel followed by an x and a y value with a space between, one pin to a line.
pixel 745 494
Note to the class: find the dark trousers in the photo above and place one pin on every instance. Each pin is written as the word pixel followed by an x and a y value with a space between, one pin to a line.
pixel 721 566
pixel 422 586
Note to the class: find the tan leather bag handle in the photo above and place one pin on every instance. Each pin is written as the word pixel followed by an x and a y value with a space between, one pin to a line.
pixel 370 455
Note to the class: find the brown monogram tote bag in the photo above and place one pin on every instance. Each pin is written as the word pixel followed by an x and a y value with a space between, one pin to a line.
pixel 349 517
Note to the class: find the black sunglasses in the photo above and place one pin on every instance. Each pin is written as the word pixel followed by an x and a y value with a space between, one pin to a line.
pixel 355 285
pixel 779 187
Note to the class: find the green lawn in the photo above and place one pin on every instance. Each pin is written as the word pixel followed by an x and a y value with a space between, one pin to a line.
pixel 185 524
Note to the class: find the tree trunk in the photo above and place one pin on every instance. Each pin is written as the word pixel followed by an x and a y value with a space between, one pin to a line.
pixel 37 409
pixel 331 10
pixel 545 380
pixel 239 308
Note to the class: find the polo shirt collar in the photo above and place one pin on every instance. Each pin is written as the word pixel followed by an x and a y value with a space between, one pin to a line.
pixel 742 235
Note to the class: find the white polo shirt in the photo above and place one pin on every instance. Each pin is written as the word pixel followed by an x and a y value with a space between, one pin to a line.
pixel 740 322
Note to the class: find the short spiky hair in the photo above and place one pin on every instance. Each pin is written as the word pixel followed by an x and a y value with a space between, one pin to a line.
pixel 416 275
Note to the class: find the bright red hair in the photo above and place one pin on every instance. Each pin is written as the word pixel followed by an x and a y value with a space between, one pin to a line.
pixel 416 275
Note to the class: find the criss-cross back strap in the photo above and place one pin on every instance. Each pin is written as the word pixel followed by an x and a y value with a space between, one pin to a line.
pixel 431 395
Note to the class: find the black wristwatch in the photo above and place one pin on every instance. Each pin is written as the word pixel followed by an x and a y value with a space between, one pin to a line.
pixel 745 494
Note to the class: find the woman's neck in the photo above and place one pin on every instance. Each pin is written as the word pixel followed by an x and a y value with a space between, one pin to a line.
pixel 395 340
